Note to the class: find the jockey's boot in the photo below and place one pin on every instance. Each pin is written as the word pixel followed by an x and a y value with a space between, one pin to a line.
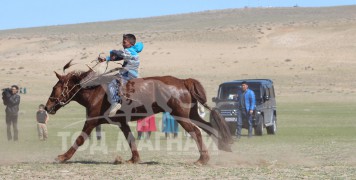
pixel 114 108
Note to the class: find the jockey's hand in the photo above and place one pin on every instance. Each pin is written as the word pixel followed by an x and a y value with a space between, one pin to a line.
pixel 117 55
pixel 100 59
pixel 113 57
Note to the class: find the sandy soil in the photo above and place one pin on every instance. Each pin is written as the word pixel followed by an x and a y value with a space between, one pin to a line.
pixel 309 46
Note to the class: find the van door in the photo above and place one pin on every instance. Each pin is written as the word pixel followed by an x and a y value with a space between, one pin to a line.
pixel 268 110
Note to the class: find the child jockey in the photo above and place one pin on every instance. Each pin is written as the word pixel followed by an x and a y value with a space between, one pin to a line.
pixel 129 71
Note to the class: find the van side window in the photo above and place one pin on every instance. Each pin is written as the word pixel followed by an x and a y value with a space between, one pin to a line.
pixel 257 89
pixel 266 91
pixel 262 92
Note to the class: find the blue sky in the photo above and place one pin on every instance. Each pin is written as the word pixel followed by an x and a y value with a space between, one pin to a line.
pixel 34 13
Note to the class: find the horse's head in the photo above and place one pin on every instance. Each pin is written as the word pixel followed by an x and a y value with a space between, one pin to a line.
pixel 65 90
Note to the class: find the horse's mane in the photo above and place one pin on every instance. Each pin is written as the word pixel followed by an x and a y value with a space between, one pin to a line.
pixel 84 77
pixel 66 66
pixel 76 73
pixel 87 79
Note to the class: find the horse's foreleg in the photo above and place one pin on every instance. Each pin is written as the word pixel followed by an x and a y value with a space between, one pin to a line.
pixel 78 142
pixel 125 128
pixel 196 135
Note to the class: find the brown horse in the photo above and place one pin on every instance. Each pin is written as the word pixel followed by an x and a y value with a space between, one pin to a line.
pixel 142 97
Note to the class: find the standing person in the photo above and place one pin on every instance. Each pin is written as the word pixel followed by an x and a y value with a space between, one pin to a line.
pixel 42 119
pixel 169 125
pixel 129 71
pixel 147 124
pixel 11 101
pixel 248 102
pixel 238 99
pixel 98 132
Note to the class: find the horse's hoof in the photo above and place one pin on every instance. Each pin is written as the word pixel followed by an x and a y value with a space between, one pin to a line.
pixel 118 160
pixel 133 161
pixel 202 161
pixel 61 159
pixel 199 163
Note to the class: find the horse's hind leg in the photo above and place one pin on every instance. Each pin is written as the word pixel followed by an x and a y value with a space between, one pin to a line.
pixel 200 122
pixel 131 140
pixel 196 135
pixel 88 127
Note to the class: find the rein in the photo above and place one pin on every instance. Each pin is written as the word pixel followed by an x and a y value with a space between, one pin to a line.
pixel 66 93
pixel 66 90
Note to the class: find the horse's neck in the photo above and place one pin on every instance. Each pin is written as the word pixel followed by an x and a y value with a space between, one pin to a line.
pixel 90 97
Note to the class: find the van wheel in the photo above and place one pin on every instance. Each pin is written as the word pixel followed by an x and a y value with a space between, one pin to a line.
pixel 259 126
pixel 272 129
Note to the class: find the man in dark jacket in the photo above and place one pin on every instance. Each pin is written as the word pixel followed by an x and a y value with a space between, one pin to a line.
pixel 12 102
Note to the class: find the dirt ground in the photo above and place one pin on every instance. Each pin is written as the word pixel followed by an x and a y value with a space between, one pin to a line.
pixel 309 53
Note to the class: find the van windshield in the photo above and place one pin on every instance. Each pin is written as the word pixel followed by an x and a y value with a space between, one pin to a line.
pixel 229 91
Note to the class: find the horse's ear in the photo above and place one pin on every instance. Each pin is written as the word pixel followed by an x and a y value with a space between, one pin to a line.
pixel 58 75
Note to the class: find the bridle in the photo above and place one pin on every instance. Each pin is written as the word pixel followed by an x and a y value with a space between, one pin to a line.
pixel 66 91
pixel 64 94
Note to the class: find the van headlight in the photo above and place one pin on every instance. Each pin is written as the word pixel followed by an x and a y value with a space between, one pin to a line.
pixel 234 112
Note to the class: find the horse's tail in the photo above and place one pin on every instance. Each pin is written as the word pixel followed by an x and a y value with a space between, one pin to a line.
pixel 198 92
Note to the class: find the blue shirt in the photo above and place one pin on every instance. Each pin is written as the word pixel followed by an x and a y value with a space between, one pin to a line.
pixel 249 100
pixel 131 60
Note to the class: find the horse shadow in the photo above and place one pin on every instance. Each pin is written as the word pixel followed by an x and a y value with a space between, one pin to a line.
pixel 103 162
